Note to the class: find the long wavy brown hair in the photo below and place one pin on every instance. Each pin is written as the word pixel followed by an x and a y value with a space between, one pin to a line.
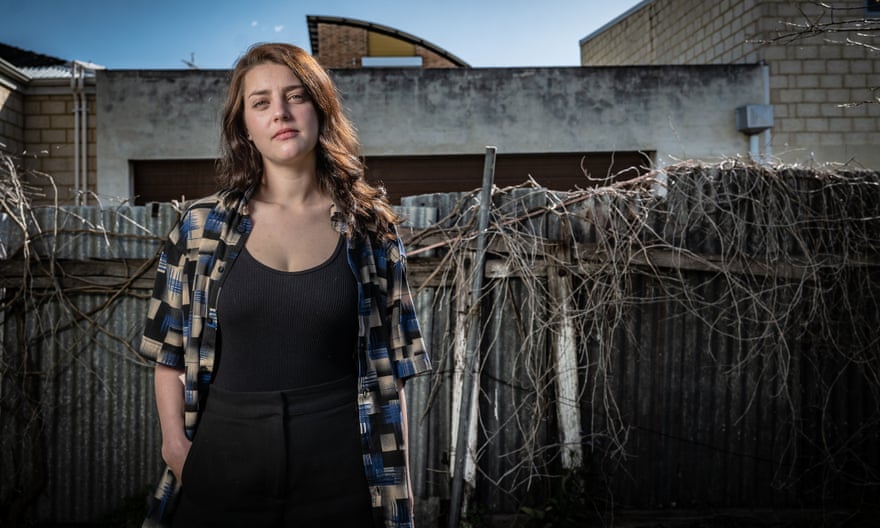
pixel 340 170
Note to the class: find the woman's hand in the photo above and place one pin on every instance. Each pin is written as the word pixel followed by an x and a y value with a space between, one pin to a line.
pixel 174 453
pixel 169 403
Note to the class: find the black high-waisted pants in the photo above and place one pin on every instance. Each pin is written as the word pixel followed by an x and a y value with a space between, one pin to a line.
pixel 278 458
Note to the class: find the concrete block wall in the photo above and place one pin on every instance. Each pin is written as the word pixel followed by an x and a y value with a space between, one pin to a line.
pixel 343 47
pixel 817 85
pixel 678 32
pixel 813 82
pixel 11 121
pixel 49 139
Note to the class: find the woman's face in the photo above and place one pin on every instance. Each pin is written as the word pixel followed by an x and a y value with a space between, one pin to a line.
pixel 279 117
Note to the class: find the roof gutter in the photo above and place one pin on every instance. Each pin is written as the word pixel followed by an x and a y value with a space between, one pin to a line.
pixel 12 78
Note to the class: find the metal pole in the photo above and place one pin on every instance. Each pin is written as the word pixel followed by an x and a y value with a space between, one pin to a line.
pixel 464 416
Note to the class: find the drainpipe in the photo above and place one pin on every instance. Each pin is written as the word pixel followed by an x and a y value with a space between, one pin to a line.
pixel 768 148
pixel 80 132
pixel 75 89
pixel 84 138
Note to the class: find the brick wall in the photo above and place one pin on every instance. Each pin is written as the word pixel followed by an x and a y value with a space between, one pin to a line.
pixel 11 121
pixel 49 135
pixel 432 60
pixel 680 32
pixel 811 80
pixel 343 47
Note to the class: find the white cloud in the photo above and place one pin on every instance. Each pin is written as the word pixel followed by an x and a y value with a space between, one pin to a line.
pixel 278 29
pixel 254 23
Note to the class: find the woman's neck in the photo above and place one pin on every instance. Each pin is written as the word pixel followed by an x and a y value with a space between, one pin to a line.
pixel 289 187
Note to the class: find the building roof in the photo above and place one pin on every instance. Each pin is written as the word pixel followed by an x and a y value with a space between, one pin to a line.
pixel 39 66
pixel 47 72
pixel 22 58
pixel 614 22
pixel 314 20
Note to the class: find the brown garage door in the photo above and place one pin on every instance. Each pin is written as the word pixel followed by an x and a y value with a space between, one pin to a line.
pixel 413 175
pixel 165 180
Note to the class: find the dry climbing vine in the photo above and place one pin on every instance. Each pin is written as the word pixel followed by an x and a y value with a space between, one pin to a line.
pixel 781 264
pixel 55 317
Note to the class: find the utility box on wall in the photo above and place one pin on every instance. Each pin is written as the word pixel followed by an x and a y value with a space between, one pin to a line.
pixel 754 119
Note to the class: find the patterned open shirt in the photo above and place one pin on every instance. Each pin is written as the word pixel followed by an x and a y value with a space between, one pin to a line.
pixel 181 332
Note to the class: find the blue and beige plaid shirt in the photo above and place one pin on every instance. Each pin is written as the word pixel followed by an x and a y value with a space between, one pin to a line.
pixel 181 332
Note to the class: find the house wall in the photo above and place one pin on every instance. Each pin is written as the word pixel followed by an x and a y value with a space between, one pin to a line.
pixel 155 115
pixel 674 111
pixel 678 112
pixel 49 139
pixel 678 32
pixel 813 82
pixel 344 46
pixel 11 120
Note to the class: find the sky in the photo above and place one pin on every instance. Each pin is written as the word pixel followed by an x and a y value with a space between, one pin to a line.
pixel 162 34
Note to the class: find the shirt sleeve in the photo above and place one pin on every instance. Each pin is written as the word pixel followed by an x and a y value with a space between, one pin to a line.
pixel 165 328
pixel 407 350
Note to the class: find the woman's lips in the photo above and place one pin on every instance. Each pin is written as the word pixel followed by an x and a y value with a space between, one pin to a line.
pixel 285 133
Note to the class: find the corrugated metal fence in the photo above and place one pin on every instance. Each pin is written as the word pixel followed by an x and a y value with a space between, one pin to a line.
pixel 691 386
pixel 79 420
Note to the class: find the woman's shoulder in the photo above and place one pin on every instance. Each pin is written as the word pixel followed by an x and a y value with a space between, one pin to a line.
pixel 208 212
pixel 220 201
pixel 387 241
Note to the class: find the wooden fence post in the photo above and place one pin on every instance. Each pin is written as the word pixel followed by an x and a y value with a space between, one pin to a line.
pixel 463 321
pixel 566 365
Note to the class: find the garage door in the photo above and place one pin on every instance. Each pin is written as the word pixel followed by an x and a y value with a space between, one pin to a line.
pixel 412 175
pixel 165 180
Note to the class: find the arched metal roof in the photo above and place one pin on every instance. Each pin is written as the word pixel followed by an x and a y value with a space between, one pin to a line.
pixel 314 20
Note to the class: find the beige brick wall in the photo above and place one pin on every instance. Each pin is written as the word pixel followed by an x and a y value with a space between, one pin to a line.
pixel 679 32
pixel 343 47
pixel 49 138
pixel 813 82
pixel 11 121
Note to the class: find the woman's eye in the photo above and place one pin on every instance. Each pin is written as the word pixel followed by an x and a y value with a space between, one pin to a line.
pixel 297 98
pixel 260 103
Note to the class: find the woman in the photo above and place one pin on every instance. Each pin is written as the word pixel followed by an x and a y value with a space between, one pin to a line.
pixel 282 323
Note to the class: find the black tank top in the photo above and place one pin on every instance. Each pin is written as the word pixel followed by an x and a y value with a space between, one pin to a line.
pixel 284 330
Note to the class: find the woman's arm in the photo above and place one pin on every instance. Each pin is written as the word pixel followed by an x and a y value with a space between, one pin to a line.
pixel 169 403
pixel 403 418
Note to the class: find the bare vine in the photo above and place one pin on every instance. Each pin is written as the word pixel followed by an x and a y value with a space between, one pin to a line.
pixel 781 263
pixel 837 26
pixel 40 300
